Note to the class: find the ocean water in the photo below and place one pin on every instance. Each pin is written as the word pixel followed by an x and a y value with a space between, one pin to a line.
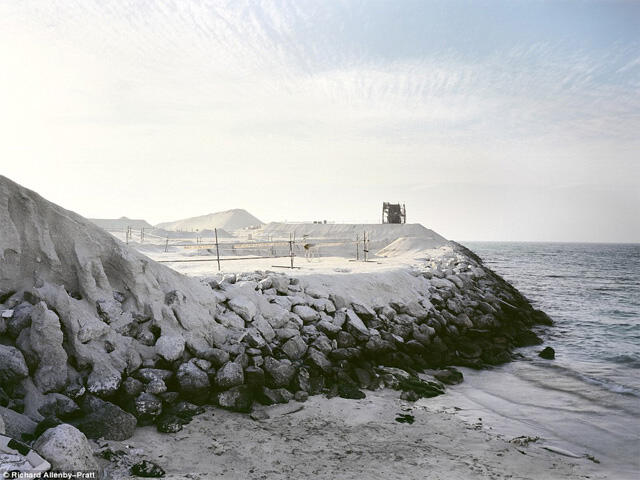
pixel 587 400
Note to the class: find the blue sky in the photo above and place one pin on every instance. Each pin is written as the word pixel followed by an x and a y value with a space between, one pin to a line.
pixel 503 120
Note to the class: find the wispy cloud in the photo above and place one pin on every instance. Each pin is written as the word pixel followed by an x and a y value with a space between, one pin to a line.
pixel 452 89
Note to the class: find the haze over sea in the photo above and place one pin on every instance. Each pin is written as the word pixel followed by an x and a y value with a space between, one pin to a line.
pixel 587 400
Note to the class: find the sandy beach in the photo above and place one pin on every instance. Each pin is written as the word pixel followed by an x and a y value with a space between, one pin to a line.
pixel 344 439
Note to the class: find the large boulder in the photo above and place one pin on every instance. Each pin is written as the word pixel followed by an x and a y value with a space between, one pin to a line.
pixel 295 347
pixel 170 347
pixel 306 313
pixel 238 398
pixel 356 326
pixel 66 448
pixel 45 338
pixel 230 375
pixel 279 372
pixel 243 307
pixel 12 365
pixel 16 425
pixel 194 382
pixel 106 420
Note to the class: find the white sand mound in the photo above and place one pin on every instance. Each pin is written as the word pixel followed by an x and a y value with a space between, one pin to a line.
pixel 113 224
pixel 97 287
pixel 375 232
pixel 229 220
pixel 409 245
pixel 378 235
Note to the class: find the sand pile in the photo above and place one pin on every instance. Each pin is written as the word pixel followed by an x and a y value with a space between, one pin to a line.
pixel 83 307
pixel 229 220
pixel 409 246
pixel 340 239
pixel 120 224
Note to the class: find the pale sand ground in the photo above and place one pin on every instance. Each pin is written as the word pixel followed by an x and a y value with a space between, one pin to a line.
pixel 348 439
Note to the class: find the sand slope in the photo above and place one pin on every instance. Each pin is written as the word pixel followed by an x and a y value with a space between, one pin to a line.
pixel 229 220
pixel 112 224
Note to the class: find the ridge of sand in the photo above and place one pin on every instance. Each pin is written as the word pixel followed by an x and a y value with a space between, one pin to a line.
pixel 235 219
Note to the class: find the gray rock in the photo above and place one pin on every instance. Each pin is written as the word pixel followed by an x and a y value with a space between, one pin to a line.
pixel 286 333
pixel 328 328
pixel 193 381
pixel 295 348
pixel 66 448
pixel 12 365
pixel 254 338
pixel 462 321
pixel 316 292
pixel 319 360
pixel 16 424
pixel 243 307
pixel 170 347
pixel 323 344
pixel 132 387
pixel 147 406
pixel 20 319
pixel 156 387
pixel 281 284
pixel 414 309
pixel 356 326
pixel 338 301
pixel 264 327
pixel 231 320
pixel 345 340
pixel 149 374
pixel 58 405
pixel 423 333
pixel 279 372
pixel 238 399
pixel 254 377
pixel 216 356
pixel 106 420
pixel 46 337
pixel 230 375
pixel 363 311
pixel 306 313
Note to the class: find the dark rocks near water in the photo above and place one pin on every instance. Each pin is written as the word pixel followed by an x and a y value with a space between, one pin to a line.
pixel 147 469
pixel 547 353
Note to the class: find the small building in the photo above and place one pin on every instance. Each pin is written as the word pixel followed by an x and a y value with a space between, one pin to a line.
pixel 393 213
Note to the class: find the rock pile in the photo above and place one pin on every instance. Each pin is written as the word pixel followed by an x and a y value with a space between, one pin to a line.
pixel 94 335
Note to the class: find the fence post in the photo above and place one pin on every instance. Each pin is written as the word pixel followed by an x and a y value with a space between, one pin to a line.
pixel 142 235
pixel 292 239
pixel 357 247
pixel 166 246
pixel 217 249
pixel 364 245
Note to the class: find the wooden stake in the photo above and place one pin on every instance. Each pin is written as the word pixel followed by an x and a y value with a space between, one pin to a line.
pixel 217 249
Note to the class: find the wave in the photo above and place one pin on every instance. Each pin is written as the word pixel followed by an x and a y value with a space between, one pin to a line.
pixel 605 384
pixel 627 360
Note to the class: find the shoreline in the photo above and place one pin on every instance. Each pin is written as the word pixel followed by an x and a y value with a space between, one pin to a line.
pixel 343 439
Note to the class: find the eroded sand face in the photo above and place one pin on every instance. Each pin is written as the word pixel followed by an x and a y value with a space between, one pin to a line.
pixel 343 439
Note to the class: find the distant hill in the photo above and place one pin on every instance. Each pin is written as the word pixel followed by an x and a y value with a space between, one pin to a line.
pixel 229 220
pixel 113 224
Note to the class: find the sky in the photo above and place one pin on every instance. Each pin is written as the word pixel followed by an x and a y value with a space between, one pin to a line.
pixel 491 120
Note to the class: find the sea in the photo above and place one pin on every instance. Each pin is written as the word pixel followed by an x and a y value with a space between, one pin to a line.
pixel 584 404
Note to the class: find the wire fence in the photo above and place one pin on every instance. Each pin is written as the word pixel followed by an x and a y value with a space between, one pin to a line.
pixel 240 250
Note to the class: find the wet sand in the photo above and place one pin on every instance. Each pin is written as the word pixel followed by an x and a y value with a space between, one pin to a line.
pixel 344 439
